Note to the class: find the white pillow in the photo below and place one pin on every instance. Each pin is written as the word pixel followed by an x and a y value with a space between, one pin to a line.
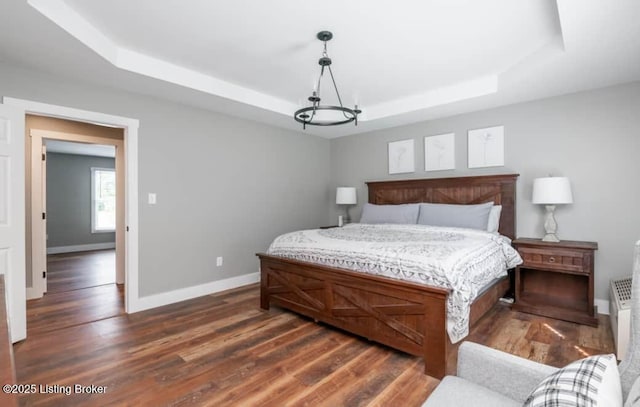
pixel 493 224
pixel 593 381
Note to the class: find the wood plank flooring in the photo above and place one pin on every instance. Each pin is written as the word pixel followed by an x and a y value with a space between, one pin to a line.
pixel 80 289
pixel 222 350
pixel 73 271
pixel 56 311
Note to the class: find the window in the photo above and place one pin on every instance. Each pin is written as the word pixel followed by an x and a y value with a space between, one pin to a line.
pixel 103 200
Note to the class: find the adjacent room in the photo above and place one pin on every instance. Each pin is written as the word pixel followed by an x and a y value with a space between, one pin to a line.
pixel 80 206
pixel 349 203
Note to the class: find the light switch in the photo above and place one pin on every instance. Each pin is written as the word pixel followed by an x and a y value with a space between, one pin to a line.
pixel 152 199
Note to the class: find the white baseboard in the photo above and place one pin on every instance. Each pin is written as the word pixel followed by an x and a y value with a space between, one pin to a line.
pixel 32 294
pixel 81 248
pixel 603 306
pixel 158 300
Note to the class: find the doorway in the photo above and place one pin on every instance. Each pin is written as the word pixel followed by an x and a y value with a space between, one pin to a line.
pixel 67 135
pixel 16 270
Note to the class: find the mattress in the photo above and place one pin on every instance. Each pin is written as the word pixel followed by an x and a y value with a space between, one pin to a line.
pixel 465 261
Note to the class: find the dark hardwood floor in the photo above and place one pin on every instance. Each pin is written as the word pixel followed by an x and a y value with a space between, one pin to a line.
pixel 223 350
pixel 80 289
pixel 73 271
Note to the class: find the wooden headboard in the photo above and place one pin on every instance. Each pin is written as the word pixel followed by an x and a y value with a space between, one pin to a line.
pixel 501 189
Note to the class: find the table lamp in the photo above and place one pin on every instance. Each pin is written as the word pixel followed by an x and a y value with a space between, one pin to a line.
pixel 551 191
pixel 346 196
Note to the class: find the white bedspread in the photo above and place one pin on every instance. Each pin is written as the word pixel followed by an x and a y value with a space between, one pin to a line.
pixel 463 260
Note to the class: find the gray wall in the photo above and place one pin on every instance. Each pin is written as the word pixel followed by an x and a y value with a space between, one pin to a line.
pixel 69 199
pixel 591 137
pixel 225 186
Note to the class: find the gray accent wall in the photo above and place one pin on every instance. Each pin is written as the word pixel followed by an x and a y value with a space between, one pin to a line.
pixel 591 137
pixel 225 186
pixel 69 200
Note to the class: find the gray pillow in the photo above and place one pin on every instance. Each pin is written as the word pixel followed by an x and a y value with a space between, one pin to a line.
pixel 459 216
pixel 399 214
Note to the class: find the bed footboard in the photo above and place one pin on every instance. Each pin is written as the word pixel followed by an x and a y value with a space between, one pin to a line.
pixel 405 316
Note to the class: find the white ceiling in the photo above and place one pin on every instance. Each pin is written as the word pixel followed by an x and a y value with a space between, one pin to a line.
pixel 69 147
pixel 401 61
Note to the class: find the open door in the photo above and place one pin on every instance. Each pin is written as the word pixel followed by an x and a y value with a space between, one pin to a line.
pixel 38 216
pixel 44 236
pixel 12 220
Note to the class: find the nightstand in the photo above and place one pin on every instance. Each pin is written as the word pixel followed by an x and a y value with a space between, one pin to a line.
pixel 556 279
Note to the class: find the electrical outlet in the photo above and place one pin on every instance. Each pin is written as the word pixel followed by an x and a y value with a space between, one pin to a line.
pixel 219 261
pixel 152 199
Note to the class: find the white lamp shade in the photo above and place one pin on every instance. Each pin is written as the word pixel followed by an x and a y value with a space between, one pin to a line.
pixel 346 196
pixel 552 191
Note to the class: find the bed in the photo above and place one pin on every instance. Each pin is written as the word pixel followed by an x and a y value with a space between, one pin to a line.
pixel 407 316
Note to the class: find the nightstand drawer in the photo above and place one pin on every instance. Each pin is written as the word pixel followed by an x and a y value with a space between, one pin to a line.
pixel 568 260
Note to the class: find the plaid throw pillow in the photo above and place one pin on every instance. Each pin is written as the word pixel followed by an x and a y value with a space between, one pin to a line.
pixel 579 384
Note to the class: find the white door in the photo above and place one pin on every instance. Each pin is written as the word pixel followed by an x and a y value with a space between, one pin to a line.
pixel 12 220
pixel 44 235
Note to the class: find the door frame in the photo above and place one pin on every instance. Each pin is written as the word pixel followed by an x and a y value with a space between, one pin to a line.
pixel 38 196
pixel 130 126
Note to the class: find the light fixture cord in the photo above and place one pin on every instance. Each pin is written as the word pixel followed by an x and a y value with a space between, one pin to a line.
pixel 337 93
pixel 324 53
pixel 317 103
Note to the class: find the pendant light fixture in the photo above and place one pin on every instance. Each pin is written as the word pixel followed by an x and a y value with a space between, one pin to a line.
pixel 312 115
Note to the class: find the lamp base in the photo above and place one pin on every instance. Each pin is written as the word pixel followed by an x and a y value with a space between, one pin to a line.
pixel 550 225
pixel 347 218
pixel 550 237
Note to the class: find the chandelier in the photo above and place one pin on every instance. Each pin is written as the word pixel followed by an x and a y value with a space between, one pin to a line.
pixel 313 115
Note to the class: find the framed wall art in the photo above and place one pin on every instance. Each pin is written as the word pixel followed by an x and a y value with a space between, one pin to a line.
pixel 401 157
pixel 439 152
pixel 486 147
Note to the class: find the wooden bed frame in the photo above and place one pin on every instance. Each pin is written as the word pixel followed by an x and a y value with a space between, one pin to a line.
pixel 406 316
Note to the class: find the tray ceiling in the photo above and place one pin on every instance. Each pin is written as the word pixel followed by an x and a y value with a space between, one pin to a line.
pixel 401 61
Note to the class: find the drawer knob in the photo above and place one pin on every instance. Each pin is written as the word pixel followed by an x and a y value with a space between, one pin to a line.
pixel 552 259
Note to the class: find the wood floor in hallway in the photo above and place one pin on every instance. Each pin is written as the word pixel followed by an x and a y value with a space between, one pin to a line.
pixel 73 271
pixel 80 289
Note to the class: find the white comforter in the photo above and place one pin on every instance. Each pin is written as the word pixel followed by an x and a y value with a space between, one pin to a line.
pixel 463 260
